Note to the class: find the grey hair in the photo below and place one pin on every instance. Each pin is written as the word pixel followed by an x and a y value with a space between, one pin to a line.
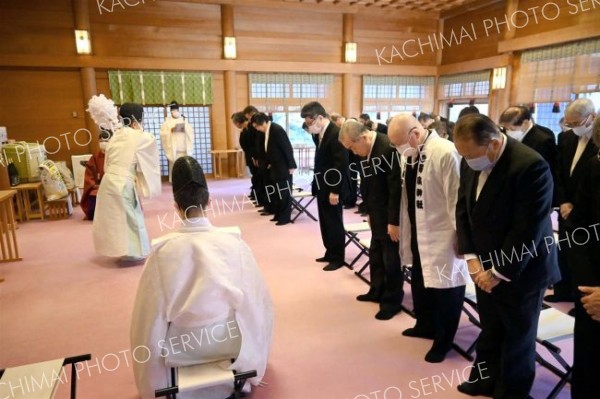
pixel 581 107
pixel 353 130
pixel 596 132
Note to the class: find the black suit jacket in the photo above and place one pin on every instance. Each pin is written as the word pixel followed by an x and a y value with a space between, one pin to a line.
pixel 279 153
pixel 381 186
pixel 545 145
pixel 567 183
pixel 247 141
pixel 331 165
pixel 547 131
pixel 513 211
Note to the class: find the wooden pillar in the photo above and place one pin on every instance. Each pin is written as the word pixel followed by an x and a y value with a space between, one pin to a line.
pixel 438 61
pixel 230 91
pixel 349 106
pixel 88 74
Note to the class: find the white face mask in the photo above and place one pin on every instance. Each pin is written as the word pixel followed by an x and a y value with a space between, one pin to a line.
pixel 103 145
pixel 406 150
pixel 175 114
pixel 583 130
pixel 516 134
pixel 480 163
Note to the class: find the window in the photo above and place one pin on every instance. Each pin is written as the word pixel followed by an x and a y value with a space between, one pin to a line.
pixel 454 111
pixel 465 86
pixel 198 117
pixel 386 96
pixel 554 73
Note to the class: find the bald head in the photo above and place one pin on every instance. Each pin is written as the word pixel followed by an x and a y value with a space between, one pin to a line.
pixel 401 125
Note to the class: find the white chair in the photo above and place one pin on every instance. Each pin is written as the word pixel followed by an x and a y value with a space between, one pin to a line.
pixel 193 378
pixel 38 380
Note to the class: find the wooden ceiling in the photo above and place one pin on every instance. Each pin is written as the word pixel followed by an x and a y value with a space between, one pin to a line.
pixel 438 6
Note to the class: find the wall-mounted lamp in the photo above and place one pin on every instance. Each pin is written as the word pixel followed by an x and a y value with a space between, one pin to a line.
pixel 350 53
pixel 499 78
pixel 82 42
pixel 229 48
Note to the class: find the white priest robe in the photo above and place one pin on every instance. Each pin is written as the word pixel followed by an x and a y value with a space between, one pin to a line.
pixel 177 138
pixel 198 280
pixel 131 167
pixel 436 219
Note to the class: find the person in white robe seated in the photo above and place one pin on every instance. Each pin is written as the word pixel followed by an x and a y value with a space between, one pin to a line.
pixel 131 168
pixel 201 297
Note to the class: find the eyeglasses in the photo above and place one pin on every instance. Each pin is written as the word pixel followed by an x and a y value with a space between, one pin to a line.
pixel 312 119
pixel 572 125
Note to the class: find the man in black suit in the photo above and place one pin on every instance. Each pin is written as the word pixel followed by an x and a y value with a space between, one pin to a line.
pixel 574 149
pixel 381 192
pixel 518 124
pixel 280 166
pixel 247 144
pixel 259 161
pixel 584 221
pixel 330 171
pixel 503 221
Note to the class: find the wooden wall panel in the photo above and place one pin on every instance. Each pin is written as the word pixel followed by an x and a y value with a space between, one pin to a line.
pixel 486 43
pixel 243 92
pixel 570 13
pixel 102 84
pixel 381 33
pixel 218 117
pixel 37 27
pixel 158 29
pixel 41 105
pixel 287 35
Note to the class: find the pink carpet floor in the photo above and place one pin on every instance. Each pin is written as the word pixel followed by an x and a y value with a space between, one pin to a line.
pixel 63 300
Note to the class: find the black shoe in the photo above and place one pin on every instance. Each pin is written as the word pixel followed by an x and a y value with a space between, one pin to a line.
pixel 333 266
pixel 475 389
pixel 436 355
pixel 274 219
pixel 553 298
pixel 266 213
pixel 280 223
pixel 388 313
pixel 418 333
pixel 368 297
pixel 323 259
pixel 571 312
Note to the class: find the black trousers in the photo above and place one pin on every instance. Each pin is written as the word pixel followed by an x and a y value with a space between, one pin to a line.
pixel 586 365
pixel 253 177
pixel 282 199
pixel 331 222
pixel 386 272
pixel 506 345
pixel 564 288
pixel 437 310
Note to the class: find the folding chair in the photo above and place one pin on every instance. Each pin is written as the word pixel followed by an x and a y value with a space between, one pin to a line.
pixel 41 379
pixel 555 326
pixel 364 245
pixel 192 378
pixel 352 229
pixel 297 203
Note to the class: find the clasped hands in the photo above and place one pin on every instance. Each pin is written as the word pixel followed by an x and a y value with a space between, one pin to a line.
pixel 484 279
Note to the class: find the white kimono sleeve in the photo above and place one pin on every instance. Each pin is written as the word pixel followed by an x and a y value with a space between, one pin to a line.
pixel 165 138
pixel 255 319
pixel 148 168
pixel 189 139
pixel 148 327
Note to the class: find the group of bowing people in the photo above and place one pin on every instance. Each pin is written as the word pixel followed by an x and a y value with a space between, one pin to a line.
pixel 456 211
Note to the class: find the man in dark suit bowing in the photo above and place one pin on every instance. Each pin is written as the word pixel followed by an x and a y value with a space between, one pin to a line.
pixel 518 124
pixel 502 221
pixel 575 148
pixel 329 183
pixel 381 188
pixel 280 165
